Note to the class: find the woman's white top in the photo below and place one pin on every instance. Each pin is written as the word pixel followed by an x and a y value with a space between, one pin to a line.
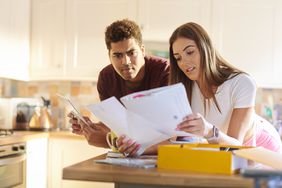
pixel 237 92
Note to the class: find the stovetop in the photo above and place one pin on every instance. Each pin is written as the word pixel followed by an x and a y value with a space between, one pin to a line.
pixel 10 149
pixel 6 132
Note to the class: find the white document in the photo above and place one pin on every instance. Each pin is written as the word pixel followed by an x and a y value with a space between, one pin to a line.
pixel 113 114
pixel 262 155
pixel 75 109
pixel 165 107
pixel 130 162
pixel 148 117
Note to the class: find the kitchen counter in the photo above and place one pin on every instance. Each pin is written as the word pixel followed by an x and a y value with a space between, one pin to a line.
pixel 23 136
pixel 125 177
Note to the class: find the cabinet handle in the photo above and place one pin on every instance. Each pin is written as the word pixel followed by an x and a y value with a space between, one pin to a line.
pixel 12 160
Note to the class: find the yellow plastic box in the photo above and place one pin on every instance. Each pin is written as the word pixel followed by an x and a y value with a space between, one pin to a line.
pixel 207 158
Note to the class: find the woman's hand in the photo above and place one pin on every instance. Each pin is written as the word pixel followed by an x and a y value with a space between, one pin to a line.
pixel 127 146
pixel 195 124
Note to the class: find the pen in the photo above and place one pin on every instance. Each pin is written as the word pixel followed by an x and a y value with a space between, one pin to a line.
pixel 227 149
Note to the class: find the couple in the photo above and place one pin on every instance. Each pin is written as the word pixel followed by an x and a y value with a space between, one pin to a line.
pixel 222 97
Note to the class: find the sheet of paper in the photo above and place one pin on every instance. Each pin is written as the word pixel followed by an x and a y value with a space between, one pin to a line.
pixel 262 155
pixel 130 162
pixel 112 113
pixel 165 107
pixel 75 110
pixel 148 117
pixel 124 122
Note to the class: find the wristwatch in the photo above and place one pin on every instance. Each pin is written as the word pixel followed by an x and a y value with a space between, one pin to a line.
pixel 215 135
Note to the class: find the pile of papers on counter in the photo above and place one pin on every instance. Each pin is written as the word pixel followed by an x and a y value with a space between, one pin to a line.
pixel 144 161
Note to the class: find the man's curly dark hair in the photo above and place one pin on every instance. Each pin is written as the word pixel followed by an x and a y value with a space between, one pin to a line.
pixel 122 30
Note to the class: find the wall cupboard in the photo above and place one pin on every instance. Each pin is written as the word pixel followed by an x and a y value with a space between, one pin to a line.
pixel 47 39
pixel 67 36
pixel 14 38
pixel 247 33
pixel 159 18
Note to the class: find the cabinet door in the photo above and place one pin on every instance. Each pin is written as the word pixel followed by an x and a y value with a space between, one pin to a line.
pixel 159 18
pixel 14 39
pixel 36 163
pixel 277 46
pixel 246 34
pixel 66 152
pixel 86 23
pixel 48 50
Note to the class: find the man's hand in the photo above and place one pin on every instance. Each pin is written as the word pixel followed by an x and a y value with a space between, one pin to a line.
pixel 95 133
pixel 76 127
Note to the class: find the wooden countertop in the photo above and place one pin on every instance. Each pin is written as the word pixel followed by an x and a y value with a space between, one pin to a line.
pixel 90 171
pixel 23 136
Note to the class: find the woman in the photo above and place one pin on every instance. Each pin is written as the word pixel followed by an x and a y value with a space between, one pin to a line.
pixel 222 97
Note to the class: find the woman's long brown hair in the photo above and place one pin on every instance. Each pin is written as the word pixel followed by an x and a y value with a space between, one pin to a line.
pixel 214 70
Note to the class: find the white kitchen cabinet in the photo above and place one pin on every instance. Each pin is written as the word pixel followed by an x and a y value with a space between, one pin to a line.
pixel 159 18
pixel 48 45
pixel 66 152
pixel 277 46
pixel 86 23
pixel 68 36
pixel 14 38
pixel 248 35
pixel 36 163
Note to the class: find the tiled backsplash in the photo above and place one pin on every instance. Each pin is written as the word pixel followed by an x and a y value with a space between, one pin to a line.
pixel 82 93
pixel 268 101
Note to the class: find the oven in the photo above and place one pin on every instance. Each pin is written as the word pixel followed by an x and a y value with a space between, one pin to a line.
pixel 13 165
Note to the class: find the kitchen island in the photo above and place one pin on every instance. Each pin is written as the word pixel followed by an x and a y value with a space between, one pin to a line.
pixel 127 177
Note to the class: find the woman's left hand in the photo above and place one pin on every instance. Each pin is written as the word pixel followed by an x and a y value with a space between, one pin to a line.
pixel 195 124
pixel 127 146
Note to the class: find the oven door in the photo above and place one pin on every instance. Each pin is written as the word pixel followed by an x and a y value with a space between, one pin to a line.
pixel 12 171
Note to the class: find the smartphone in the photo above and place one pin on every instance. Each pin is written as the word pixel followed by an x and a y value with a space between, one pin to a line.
pixel 75 111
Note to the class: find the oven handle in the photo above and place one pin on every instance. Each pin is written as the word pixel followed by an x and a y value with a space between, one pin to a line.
pixel 12 159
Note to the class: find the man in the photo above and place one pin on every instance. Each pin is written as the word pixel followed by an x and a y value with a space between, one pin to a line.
pixel 130 71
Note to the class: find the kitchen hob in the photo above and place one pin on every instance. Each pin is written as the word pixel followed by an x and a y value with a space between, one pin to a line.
pixel 6 132
pixel 12 136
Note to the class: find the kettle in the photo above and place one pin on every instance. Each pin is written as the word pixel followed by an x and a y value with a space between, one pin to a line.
pixel 41 119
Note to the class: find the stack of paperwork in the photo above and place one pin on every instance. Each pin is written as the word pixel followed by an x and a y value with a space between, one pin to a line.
pixel 147 117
